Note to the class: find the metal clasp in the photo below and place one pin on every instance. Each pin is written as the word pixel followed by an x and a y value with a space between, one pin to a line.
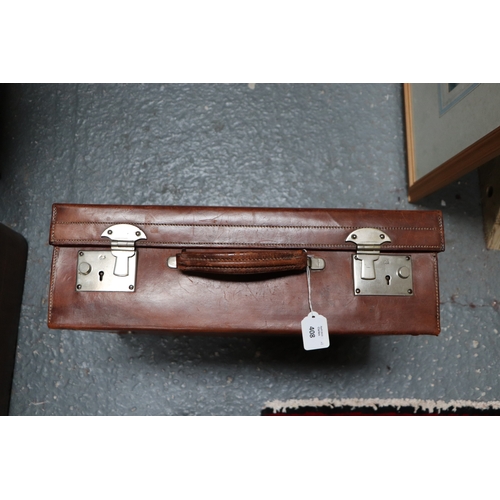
pixel 110 271
pixel 368 241
pixel 315 263
pixel 375 273
pixel 123 238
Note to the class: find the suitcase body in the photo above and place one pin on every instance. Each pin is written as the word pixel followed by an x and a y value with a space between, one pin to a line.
pixel 13 255
pixel 219 270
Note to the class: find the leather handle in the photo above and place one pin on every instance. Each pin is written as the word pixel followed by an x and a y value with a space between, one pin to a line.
pixel 242 261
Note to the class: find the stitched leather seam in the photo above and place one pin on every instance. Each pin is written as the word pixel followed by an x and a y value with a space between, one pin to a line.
pixel 401 228
pixel 54 222
pixel 237 266
pixel 52 283
pixel 436 278
pixel 441 231
pixel 243 244
pixel 281 268
pixel 241 261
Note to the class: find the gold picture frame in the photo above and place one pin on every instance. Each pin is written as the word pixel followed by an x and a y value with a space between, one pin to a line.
pixel 451 129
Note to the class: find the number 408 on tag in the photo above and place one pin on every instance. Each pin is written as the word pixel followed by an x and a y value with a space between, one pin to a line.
pixel 315 332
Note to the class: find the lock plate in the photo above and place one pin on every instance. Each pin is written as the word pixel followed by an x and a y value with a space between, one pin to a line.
pixel 95 272
pixel 393 276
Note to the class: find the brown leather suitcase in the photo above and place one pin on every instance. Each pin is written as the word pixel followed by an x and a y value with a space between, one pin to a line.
pixel 13 254
pixel 215 270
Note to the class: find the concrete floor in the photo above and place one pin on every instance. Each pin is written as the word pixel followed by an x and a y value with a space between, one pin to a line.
pixel 275 145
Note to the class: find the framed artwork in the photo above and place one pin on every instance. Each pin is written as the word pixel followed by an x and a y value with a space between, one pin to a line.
pixel 451 129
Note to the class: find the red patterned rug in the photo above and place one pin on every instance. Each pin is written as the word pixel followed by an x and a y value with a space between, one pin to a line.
pixel 379 407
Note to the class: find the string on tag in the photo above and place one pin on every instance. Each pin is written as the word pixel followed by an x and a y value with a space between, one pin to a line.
pixel 314 326
pixel 308 274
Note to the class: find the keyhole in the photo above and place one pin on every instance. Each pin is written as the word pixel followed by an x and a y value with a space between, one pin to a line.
pixel 101 274
pixel 388 279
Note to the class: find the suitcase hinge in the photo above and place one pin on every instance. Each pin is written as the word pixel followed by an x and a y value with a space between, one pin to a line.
pixel 377 274
pixel 110 271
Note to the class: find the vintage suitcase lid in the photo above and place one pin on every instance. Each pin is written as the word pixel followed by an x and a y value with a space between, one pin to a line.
pixel 239 227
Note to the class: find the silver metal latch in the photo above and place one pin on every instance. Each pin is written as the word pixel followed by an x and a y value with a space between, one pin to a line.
pixel 375 273
pixel 315 263
pixel 110 271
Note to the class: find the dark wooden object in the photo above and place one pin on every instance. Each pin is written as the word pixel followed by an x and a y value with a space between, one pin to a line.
pixel 13 255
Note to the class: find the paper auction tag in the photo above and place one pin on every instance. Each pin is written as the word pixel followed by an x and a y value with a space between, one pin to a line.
pixel 315 332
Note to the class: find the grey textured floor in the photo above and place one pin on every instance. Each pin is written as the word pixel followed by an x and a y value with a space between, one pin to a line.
pixel 276 145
